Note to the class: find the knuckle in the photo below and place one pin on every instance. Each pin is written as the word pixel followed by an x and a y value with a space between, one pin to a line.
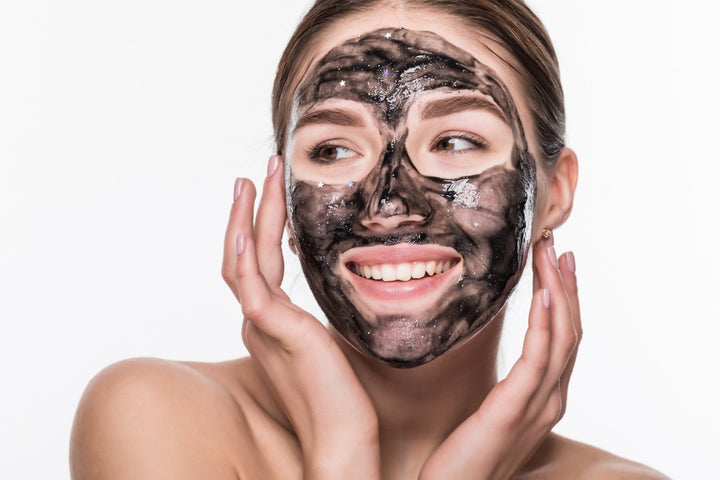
pixel 548 420
pixel 501 388
pixel 578 333
pixel 570 341
pixel 509 417
pixel 252 310
pixel 228 274
pixel 553 412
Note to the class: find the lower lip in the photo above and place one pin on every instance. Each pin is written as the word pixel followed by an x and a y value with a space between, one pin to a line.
pixel 403 291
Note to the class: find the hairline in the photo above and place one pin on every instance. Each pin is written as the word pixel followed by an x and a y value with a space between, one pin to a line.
pixel 319 41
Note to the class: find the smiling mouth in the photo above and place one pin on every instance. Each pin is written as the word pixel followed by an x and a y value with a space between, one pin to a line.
pixel 401 272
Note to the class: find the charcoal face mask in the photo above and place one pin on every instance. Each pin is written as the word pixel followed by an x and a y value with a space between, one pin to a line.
pixel 484 218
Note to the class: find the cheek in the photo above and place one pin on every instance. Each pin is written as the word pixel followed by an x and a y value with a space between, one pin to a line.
pixel 320 214
pixel 477 224
pixel 489 204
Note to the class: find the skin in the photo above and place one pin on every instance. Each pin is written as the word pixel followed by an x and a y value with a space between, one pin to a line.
pixel 481 215
pixel 308 405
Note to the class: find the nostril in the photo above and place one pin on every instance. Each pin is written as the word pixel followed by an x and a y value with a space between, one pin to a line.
pixel 391 222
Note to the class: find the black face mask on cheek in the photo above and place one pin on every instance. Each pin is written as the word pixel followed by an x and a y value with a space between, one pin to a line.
pixel 485 218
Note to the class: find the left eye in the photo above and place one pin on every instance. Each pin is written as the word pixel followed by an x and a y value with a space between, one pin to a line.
pixel 449 144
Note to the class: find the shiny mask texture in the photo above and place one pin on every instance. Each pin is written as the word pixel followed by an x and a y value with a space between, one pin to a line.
pixel 485 217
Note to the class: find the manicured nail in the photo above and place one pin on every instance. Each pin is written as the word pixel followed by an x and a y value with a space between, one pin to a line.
pixel 272 165
pixel 546 297
pixel 240 244
pixel 570 261
pixel 553 256
pixel 238 188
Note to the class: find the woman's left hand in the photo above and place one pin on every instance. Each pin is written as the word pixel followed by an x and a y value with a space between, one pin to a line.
pixel 519 412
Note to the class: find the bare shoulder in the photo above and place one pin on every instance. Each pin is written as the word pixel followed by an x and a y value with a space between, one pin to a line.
pixel 152 418
pixel 559 457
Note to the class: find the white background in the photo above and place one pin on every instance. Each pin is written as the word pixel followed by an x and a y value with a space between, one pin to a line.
pixel 124 124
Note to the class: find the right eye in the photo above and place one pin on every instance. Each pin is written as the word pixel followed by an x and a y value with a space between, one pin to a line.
pixel 329 153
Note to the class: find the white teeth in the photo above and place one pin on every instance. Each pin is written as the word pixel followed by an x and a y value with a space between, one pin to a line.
pixel 430 267
pixel 404 272
pixel 367 271
pixel 418 270
pixel 391 272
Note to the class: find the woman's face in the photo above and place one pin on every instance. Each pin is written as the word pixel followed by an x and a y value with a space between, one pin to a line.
pixel 410 185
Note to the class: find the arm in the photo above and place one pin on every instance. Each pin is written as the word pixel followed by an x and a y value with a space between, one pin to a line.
pixel 152 419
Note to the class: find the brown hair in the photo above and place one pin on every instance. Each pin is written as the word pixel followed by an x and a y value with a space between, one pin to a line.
pixel 509 21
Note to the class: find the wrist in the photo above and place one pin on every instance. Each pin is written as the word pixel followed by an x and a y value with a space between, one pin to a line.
pixel 349 457
pixel 348 467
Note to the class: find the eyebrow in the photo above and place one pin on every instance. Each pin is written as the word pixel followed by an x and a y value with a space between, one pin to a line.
pixel 344 118
pixel 455 104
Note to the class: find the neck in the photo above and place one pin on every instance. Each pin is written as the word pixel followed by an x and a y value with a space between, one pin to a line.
pixel 419 407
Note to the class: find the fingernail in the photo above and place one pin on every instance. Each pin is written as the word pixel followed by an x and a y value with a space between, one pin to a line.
pixel 553 256
pixel 272 165
pixel 238 188
pixel 570 261
pixel 546 297
pixel 240 244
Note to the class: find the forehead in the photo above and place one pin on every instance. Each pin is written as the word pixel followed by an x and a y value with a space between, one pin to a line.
pixel 386 67
pixel 432 30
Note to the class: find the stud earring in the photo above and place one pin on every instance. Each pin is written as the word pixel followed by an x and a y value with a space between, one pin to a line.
pixel 546 233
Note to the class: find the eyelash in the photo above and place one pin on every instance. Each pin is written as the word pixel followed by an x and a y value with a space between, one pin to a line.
pixel 313 153
pixel 479 142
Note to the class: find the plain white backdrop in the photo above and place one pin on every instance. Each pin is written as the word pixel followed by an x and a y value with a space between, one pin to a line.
pixel 124 124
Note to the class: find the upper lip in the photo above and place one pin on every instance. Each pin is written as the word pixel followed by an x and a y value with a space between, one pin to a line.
pixel 399 253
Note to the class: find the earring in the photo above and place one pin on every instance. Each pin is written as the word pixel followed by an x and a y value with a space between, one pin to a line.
pixel 291 243
pixel 546 233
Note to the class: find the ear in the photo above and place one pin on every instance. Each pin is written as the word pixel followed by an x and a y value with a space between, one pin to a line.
pixel 291 237
pixel 562 180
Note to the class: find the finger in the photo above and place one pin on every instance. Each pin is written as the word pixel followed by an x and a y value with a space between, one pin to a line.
pixel 535 271
pixel 243 198
pixel 528 372
pixel 567 271
pixel 543 241
pixel 269 224
pixel 274 317
pixel 563 335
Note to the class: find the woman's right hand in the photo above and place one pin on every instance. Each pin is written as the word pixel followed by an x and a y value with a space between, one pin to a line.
pixel 329 409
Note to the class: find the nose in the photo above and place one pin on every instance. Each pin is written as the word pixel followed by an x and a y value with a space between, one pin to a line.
pixel 397 200
pixel 392 214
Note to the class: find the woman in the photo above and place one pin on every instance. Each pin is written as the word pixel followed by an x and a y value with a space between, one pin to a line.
pixel 420 157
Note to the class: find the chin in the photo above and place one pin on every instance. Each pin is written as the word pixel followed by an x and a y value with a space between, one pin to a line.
pixel 406 343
